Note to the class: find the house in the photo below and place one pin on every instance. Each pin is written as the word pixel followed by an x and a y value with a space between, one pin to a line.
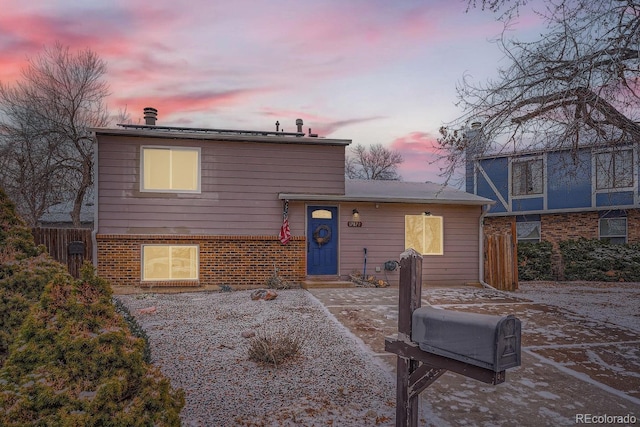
pixel 59 215
pixel 560 194
pixel 202 207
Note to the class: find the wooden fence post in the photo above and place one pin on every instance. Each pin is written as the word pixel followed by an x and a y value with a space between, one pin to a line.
pixel 410 296
pixel 417 369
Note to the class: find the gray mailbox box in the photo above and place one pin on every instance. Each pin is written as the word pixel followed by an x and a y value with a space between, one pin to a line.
pixel 491 342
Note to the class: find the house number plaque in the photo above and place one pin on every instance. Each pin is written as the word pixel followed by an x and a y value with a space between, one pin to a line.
pixel 354 224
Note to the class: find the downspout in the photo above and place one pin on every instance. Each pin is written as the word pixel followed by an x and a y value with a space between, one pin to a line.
pixel 94 233
pixel 485 210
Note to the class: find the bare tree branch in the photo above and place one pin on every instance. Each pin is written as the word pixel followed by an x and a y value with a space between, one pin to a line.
pixel 376 162
pixel 45 120
pixel 577 84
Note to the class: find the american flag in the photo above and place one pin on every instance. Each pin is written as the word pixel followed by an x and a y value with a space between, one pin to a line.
pixel 285 233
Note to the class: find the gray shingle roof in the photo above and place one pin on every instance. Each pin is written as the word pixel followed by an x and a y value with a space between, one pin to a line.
pixel 396 192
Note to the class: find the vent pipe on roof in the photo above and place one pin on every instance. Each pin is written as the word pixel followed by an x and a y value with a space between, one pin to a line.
pixel 150 116
pixel 299 124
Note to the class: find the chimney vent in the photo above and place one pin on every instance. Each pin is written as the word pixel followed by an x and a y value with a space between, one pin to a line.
pixel 150 116
pixel 299 124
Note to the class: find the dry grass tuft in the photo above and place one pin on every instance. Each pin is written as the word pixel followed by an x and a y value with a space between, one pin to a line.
pixel 275 348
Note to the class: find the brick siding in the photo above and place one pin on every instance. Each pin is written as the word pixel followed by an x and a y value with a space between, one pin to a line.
pixel 224 260
pixel 565 226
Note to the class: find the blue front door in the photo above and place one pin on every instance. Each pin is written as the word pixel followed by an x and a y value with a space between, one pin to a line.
pixel 322 240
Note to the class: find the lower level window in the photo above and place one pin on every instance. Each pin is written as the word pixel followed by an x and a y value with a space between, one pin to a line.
pixel 169 262
pixel 613 230
pixel 528 231
pixel 528 228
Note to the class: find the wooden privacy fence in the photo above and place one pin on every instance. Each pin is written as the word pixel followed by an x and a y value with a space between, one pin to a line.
pixel 501 261
pixel 68 246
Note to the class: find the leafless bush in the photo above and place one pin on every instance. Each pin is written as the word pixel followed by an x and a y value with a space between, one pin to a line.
pixel 275 348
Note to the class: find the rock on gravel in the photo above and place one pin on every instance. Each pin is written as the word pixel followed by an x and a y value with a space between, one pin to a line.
pixel 196 340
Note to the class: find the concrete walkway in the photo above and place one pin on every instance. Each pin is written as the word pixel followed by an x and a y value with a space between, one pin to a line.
pixel 574 368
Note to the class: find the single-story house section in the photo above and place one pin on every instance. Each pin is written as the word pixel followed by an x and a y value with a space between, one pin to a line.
pixel 205 207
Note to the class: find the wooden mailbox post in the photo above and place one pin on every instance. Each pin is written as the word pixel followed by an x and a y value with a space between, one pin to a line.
pixel 417 368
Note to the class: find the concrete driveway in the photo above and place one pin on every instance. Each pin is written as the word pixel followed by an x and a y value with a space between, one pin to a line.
pixel 579 364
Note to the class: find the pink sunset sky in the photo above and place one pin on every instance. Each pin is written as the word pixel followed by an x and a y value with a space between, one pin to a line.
pixel 372 71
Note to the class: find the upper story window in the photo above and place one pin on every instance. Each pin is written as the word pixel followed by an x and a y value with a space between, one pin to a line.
pixel 424 233
pixel 614 169
pixel 526 177
pixel 170 169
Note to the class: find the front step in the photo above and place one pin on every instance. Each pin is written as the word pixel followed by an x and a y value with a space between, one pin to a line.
pixel 315 282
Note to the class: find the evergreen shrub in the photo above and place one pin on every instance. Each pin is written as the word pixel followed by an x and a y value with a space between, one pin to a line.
pixel 75 362
pixel 534 261
pixel 66 357
pixel 596 260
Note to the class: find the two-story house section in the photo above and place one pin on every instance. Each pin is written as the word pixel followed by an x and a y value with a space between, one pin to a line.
pixel 182 207
pixel 555 195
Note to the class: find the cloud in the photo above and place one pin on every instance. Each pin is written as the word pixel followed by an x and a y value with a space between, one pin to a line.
pixel 421 157
pixel 177 103
pixel 320 125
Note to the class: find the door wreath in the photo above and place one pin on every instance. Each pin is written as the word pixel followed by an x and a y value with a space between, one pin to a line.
pixel 322 238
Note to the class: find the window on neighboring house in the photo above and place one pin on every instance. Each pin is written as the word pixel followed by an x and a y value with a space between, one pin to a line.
pixel 613 227
pixel 614 169
pixel 170 169
pixel 169 262
pixel 528 228
pixel 424 233
pixel 526 177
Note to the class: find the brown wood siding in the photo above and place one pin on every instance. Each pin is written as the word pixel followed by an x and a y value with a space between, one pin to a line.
pixel 240 186
pixel 382 234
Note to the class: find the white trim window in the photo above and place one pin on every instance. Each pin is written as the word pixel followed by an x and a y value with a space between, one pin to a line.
pixel 170 262
pixel 170 169
pixel 614 169
pixel 613 230
pixel 528 231
pixel 527 177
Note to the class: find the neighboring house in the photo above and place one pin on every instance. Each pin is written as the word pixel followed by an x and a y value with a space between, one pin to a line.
pixel 200 207
pixel 555 195
pixel 59 216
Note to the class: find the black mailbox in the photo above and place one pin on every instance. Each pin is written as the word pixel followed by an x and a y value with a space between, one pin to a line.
pixel 491 342
pixel 75 248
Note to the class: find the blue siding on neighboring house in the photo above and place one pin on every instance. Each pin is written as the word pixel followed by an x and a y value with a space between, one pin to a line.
pixel 568 181
pixel 568 184
pixel 614 199
pixel 529 204
pixel 498 171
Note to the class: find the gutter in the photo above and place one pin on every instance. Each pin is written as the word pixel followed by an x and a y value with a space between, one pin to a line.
pixel 485 210
pixel 94 232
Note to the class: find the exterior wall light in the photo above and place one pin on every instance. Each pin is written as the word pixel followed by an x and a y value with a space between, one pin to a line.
pixel 356 215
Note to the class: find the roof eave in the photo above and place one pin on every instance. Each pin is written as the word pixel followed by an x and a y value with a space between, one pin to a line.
pixel 213 136
pixel 378 199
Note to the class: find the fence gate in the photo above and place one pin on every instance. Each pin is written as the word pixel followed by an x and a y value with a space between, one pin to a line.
pixel 68 246
pixel 501 260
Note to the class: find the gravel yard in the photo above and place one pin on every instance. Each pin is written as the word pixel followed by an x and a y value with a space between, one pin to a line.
pixel 580 356
pixel 196 341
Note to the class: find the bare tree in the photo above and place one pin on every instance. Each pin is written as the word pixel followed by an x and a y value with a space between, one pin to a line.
pixel 375 162
pixel 45 121
pixel 576 85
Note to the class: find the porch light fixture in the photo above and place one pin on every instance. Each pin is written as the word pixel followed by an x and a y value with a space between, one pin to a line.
pixel 427 213
pixel 356 215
